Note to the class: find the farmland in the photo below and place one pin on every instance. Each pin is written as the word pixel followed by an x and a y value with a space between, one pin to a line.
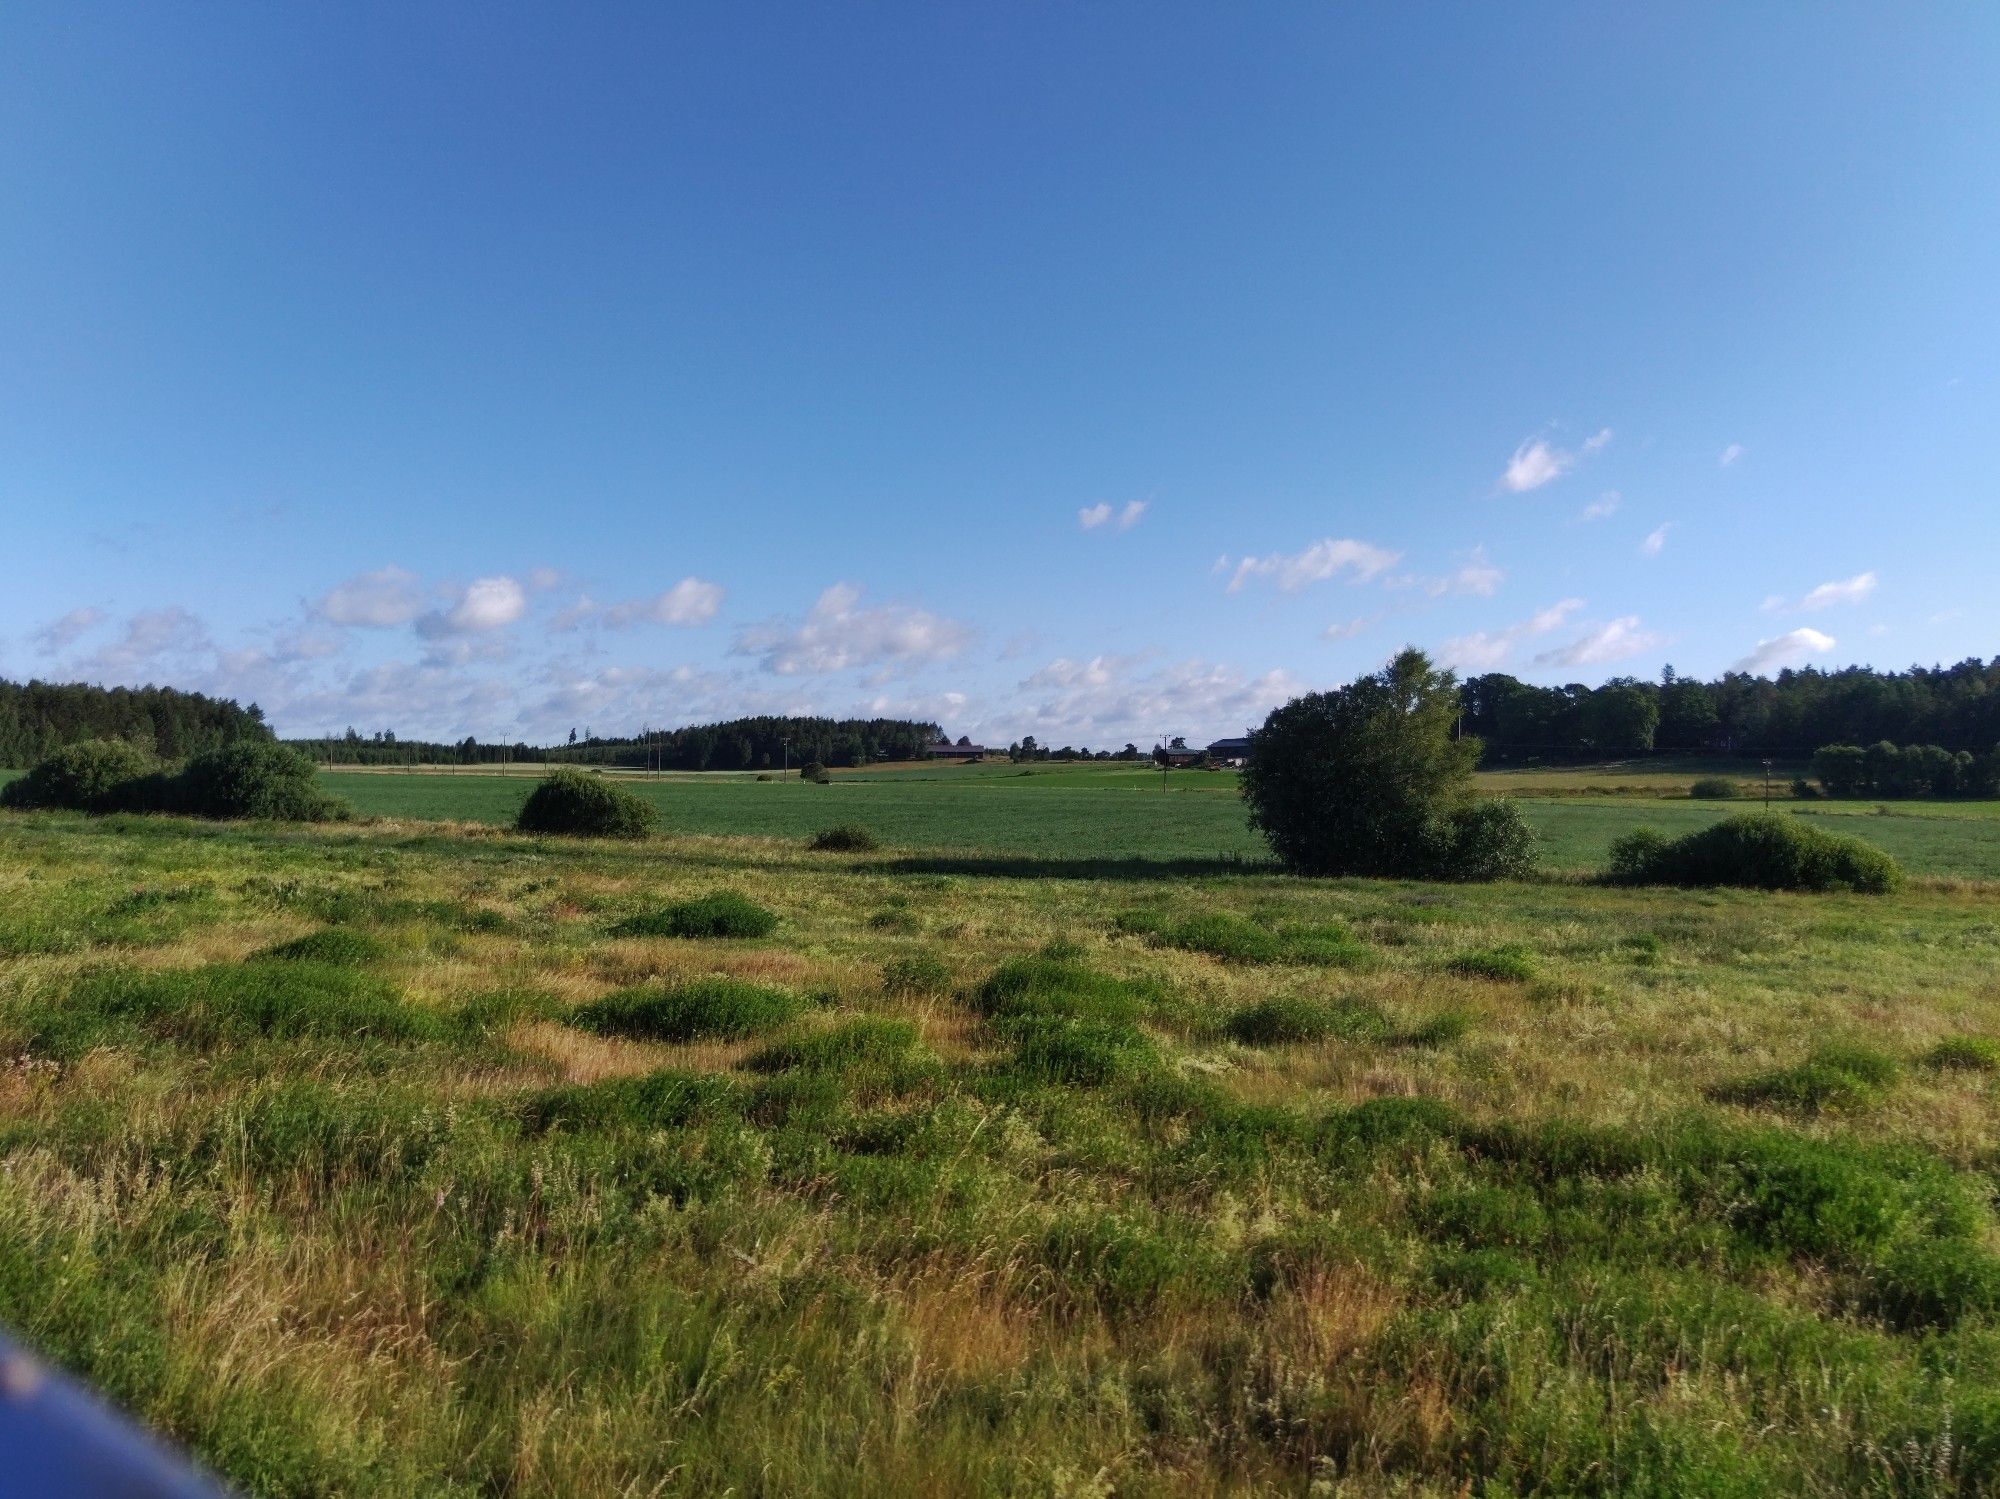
pixel 324 1152
pixel 1075 817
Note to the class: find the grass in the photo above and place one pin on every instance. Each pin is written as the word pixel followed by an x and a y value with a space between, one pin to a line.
pixel 723 913
pixel 369 1160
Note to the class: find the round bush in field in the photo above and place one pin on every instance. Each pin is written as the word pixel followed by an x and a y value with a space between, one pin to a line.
pixel 847 838
pixel 815 772
pixel 1759 851
pixel 98 775
pixel 255 778
pixel 577 805
pixel 1713 789
pixel 721 914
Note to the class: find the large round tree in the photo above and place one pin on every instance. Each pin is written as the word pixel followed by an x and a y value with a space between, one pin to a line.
pixel 1371 779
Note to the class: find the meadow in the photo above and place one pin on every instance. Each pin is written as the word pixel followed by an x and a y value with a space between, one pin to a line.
pixel 415 1158
pixel 1078 818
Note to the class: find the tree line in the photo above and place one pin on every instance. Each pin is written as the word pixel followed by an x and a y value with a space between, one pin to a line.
pixel 39 718
pixel 738 744
pixel 1956 708
pixel 1891 772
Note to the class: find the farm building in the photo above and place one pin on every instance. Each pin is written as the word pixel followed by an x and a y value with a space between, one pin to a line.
pixel 965 749
pixel 1229 751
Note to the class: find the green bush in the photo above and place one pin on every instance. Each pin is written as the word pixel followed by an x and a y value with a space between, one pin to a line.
pixel 1487 839
pixel 572 804
pixel 255 779
pixel 721 914
pixel 1934 1282
pixel 847 838
pixel 97 775
pixel 1236 939
pixel 1833 1079
pixel 873 1039
pixel 1761 851
pixel 1291 1019
pixel 814 772
pixel 704 1009
pixel 1714 789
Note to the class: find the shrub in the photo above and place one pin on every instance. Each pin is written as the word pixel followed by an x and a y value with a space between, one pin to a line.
pixel 721 914
pixel 1934 1282
pixel 815 772
pixel 1509 964
pixel 97 775
pixel 341 946
pixel 1834 1079
pixel 570 803
pixel 658 1100
pixel 1487 839
pixel 1804 790
pixel 871 1039
pixel 1713 789
pixel 255 779
pixel 846 838
pixel 1290 1019
pixel 1761 851
pixel 714 1008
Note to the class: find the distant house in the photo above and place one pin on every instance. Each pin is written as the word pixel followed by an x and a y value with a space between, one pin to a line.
pixel 965 749
pixel 1229 751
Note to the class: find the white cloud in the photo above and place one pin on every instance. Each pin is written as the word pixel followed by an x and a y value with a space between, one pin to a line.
pixel 1592 443
pixel 1348 629
pixel 837 634
pixel 542 579
pixel 378 600
pixel 1854 590
pixel 1783 650
pixel 1534 464
pixel 1358 561
pixel 1476 576
pixel 486 604
pixel 1847 591
pixel 1730 454
pixel 1483 650
pixel 61 634
pixel 1091 517
pixel 692 601
pixel 1113 699
pixel 1656 540
pixel 1616 641
pixel 1604 505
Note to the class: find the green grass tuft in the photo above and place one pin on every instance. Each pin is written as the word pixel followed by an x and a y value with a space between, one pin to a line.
pixel 704 1009
pixel 722 914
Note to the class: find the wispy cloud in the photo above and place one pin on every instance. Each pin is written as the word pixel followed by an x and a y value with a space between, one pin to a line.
pixel 692 601
pixel 1604 505
pixel 1847 591
pixel 1485 650
pixel 1656 540
pixel 378 600
pixel 1616 640
pixel 1784 650
pixel 1123 517
pixel 61 634
pixel 837 633
pixel 1476 575
pixel 1537 461
pixel 1729 455
pixel 1356 561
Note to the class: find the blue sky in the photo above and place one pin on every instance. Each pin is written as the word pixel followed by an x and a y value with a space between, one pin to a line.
pixel 1084 371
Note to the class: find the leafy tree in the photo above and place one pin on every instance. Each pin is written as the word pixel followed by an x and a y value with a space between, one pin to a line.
pixel 1368 779
pixel 1620 716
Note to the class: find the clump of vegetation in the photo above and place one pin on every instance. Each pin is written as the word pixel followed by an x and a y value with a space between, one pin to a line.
pixel 1068 1022
pixel 1714 789
pixel 1292 1019
pixel 844 838
pixel 97 775
pixel 1237 939
pixel 916 975
pixel 1965 1054
pixel 341 946
pixel 722 913
pixel 814 772
pixel 571 804
pixel 1760 850
pixel 1510 963
pixel 1372 779
pixel 1833 1079
pixel 721 1009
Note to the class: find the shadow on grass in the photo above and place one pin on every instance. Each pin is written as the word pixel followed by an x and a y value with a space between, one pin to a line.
pixel 1049 867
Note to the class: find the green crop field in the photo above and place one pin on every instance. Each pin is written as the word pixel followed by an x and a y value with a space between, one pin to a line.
pixel 392 1159
pixel 1075 817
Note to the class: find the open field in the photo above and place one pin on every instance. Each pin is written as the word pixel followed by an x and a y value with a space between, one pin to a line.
pixel 1384 1188
pixel 1076 817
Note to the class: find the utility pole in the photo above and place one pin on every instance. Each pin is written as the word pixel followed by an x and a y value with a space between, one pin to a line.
pixel 1767 785
pixel 787 742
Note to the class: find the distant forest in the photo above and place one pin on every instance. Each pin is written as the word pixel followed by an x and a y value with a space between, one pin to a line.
pixel 740 744
pixel 1955 707
pixel 37 718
